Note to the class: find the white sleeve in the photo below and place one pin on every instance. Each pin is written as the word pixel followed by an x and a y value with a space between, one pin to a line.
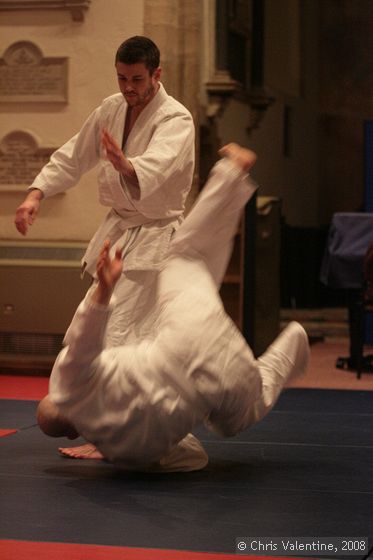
pixel 77 156
pixel 208 231
pixel 84 342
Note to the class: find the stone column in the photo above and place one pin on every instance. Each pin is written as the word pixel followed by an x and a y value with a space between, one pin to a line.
pixel 174 25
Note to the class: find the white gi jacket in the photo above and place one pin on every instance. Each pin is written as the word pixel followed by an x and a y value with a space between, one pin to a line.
pixel 136 402
pixel 161 149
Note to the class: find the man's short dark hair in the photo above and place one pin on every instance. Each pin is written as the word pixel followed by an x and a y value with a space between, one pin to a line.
pixel 139 49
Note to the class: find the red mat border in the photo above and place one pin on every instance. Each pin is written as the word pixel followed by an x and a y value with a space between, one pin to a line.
pixel 23 388
pixel 7 432
pixel 29 550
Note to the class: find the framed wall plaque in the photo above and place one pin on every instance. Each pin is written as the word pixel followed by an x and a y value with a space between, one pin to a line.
pixel 26 76
pixel 21 159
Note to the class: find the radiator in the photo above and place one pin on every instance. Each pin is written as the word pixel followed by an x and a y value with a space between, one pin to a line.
pixel 40 288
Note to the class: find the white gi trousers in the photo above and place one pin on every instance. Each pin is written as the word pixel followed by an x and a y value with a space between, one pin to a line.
pixel 138 403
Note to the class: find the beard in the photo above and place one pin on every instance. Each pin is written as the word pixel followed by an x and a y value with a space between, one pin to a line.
pixel 141 99
pixel 149 93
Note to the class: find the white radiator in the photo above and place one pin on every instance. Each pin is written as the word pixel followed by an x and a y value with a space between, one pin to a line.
pixel 40 288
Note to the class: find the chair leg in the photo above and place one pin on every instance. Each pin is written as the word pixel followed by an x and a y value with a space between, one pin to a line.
pixel 360 338
pixel 356 327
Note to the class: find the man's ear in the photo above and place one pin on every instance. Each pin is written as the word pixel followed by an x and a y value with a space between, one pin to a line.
pixel 157 73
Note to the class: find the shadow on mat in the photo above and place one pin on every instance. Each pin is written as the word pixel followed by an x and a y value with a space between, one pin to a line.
pixel 217 472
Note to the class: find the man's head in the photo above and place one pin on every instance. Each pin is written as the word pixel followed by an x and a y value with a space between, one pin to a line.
pixel 138 71
pixel 139 49
pixel 52 423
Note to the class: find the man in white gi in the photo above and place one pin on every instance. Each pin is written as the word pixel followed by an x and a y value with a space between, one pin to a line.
pixel 137 403
pixel 143 141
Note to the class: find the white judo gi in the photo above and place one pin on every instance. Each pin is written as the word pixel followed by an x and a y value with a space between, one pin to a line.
pixel 142 220
pixel 139 402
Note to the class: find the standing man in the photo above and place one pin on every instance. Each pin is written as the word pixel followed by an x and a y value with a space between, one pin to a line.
pixel 143 141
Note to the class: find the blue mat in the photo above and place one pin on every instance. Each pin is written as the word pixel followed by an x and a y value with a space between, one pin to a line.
pixel 305 470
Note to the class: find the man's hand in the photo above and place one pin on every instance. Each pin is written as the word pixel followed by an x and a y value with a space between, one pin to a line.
pixel 27 211
pixel 117 158
pixel 113 152
pixel 108 273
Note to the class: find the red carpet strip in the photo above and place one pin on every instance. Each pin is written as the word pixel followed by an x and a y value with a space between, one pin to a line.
pixel 23 388
pixel 27 550
pixel 4 432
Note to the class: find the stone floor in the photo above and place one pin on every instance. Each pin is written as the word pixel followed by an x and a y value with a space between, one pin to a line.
pixel 328 331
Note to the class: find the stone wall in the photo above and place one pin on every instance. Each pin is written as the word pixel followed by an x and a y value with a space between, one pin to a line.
pixel 89 47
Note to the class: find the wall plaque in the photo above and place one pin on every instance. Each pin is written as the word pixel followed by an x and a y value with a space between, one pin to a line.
pixel 21 159
pixel 26 76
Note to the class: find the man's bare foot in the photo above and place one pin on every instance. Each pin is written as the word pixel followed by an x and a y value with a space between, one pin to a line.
pixel 242 157
pixel 86 451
